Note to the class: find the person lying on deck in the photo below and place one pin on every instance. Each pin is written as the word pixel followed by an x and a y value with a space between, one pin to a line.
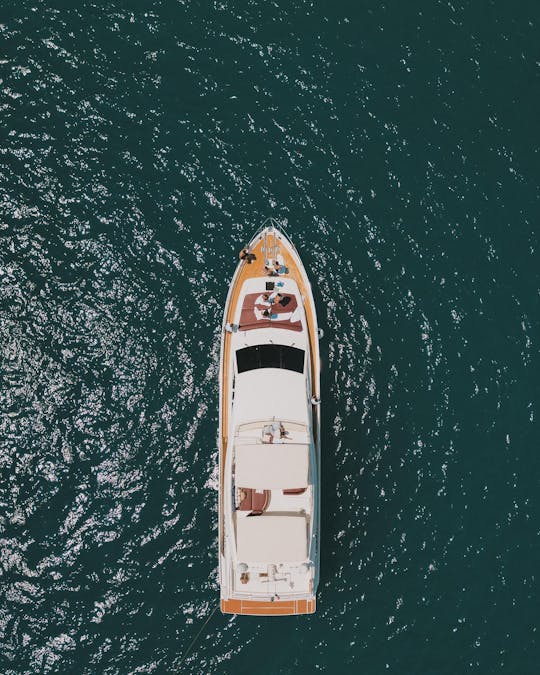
pixel 279 299
pixel 247 255
pixel 275 297
pixel 271 432
pixel 279 266
pixel 263 299
pixel 283 433
pixel 275 433
pixel 267 314
pixel 270 268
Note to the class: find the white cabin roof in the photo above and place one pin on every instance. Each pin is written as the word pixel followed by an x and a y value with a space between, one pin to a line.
pixel 272 466
pixel 272 539
pixel 267 393
pixel 262 336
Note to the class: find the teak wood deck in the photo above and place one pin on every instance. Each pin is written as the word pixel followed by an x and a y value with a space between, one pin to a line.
pixel 258 608
pixel 249 271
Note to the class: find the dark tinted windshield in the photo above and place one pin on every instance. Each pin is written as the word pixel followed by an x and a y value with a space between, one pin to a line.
pixel 270 356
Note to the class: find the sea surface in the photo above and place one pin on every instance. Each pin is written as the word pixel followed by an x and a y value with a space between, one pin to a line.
pixel 142 143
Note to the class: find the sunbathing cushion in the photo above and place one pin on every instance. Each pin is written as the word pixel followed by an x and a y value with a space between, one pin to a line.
pixel 249 320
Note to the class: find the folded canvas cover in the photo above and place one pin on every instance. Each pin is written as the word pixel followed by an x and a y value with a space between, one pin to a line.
pixel 272 539
pixel 272 466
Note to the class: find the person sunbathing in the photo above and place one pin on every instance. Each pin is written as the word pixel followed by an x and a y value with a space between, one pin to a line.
pixel 275 297
pixel 283 433
pixel 270 268
pixel 279 299
pixel 271 432
pixel 247 255
pixel 279 268
pixel 263 299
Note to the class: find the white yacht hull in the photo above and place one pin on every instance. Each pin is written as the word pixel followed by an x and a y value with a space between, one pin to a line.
pixel 269 435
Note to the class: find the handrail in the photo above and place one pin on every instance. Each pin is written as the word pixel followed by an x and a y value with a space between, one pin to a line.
pixel 273 419
pixel 267 256
pixel 276 225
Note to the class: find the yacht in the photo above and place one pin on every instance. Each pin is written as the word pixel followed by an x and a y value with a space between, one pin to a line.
pixel 269 434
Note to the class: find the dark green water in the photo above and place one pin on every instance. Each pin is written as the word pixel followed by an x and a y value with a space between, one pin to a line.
pixel 141 144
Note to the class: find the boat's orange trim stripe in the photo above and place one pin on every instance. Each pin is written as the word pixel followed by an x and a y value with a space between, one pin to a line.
pixel 258 608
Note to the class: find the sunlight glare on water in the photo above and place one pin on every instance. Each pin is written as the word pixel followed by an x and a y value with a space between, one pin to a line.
pixel 141 147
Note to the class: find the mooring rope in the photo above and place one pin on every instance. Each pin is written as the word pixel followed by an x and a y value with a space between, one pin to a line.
pixel 185 655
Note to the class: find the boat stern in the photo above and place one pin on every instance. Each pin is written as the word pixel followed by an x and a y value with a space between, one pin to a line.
pixel 267 607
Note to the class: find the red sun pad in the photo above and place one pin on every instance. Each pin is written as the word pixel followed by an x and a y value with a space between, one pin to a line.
pixel 249 320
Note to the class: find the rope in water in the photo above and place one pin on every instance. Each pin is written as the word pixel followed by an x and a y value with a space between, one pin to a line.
pixel 184 657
